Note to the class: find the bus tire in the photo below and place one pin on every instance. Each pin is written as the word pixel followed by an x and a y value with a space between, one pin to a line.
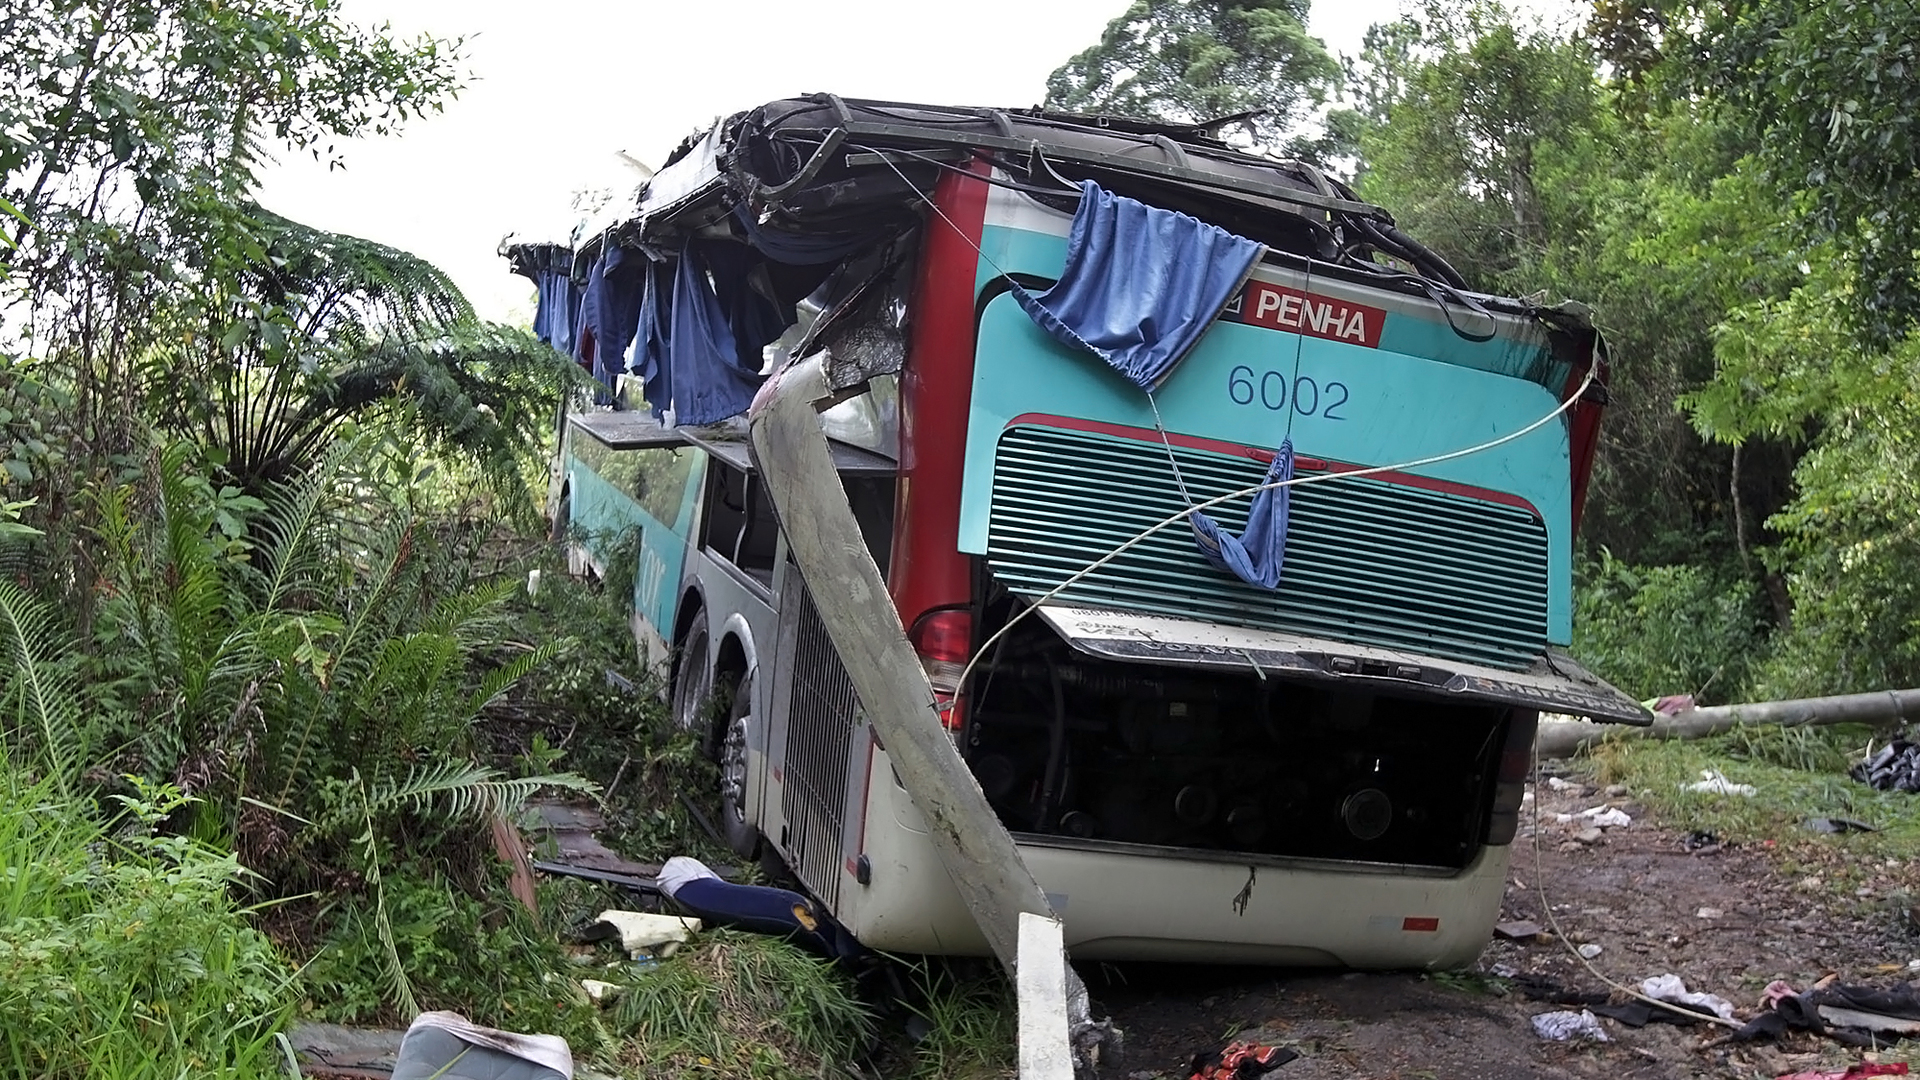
pixel 693 683
pixel 742 835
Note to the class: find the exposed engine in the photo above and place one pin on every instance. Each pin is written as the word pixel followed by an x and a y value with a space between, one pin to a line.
pixel 1075 747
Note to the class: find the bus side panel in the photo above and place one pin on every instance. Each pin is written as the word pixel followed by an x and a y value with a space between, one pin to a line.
pixel 1153 907
pixel 654 492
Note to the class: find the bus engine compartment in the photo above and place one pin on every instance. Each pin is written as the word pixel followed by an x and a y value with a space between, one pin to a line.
pixel 1077 750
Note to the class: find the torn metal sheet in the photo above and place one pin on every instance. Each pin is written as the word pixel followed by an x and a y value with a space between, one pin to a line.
pixel 1556 682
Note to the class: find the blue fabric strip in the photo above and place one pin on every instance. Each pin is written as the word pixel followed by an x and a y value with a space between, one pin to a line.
pixel 1256 555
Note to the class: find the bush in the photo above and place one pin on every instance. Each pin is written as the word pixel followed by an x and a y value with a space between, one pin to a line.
pixel 123 955
pixel 1655 630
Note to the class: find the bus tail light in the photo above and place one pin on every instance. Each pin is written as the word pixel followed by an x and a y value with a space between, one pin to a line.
pixel 944 640
pixel 1510 786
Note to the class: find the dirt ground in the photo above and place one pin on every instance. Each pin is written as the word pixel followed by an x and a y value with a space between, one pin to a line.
pixel 1638 892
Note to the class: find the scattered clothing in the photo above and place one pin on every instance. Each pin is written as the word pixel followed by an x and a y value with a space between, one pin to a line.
pixel 1673 704
pixel 1141 284
pixel 1895 768
pixel 1239 1061
pixel 1569 1026
pixel 1861 1016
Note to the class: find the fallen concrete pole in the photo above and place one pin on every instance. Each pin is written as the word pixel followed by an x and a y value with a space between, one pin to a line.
pixel 1565 738
pixel 979 854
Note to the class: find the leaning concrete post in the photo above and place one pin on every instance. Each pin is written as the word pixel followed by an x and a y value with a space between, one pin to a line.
pixel 979 854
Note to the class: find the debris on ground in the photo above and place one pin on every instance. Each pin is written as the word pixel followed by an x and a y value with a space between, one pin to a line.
pixel 1588 952
pixel 1670 988
pixel 1853 1072
pixel 1519 930
pixel 447 1046
pixel 1239 1061
pixel 760 909
pixel 1672 705
pixel 1711 782
pixel 1569 1026
pixel 1895 768
pixel 1862 1016
pixel 641 933
pixel 1832 825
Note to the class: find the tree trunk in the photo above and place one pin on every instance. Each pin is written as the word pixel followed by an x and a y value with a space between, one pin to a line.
pixel 1565 738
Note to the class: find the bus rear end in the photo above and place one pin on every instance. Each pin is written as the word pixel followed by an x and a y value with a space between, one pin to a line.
pixel 1328 772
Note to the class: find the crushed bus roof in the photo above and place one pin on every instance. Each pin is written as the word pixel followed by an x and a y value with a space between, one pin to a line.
pixel 822 168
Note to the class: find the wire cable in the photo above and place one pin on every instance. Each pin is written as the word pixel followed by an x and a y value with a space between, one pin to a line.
pixel 1540 889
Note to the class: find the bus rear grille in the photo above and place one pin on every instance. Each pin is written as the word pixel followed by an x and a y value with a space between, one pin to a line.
pixel 821 711
pixel 1367 562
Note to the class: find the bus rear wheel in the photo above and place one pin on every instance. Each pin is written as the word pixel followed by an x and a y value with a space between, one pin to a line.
pixel 741 834
pixel 693 683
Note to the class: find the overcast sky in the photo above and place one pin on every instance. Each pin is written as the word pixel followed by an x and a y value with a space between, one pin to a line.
pixel 561 87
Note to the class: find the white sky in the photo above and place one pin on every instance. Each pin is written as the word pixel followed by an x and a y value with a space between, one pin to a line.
pixel 561 86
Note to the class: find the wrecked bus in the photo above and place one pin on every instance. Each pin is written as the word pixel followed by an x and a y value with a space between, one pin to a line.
pixel 1198 762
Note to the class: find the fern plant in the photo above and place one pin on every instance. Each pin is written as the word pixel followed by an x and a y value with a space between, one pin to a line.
pixel 313 681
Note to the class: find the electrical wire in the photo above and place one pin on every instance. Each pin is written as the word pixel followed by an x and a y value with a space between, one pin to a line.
pixel 1540 889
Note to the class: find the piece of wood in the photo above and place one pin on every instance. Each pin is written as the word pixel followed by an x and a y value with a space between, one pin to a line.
pixel 1045 1051
pixel 1565 738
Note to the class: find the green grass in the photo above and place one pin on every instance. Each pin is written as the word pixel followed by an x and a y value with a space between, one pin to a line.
pixel 1800 773
pixel 738 1006
pixel 973 1026
pixel 122 955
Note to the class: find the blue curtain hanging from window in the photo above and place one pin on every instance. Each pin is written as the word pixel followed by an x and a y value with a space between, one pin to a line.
pixel 1141 285
pixel 718 325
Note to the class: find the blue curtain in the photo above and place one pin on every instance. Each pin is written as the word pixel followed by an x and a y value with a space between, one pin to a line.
pixel 714 370
pixel 1141 284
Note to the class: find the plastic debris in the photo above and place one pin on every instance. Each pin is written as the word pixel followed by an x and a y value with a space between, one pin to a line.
pixel 1588 952
pixel 1518 930
pixel 1895 768
pixel 1607 817
pixel 642 932
pixel 1712 783
pixel 1670 988
pixel 1832 825
pixel 1568 1025
pixel 435 1041
pixel 601 993
pixel 1709 913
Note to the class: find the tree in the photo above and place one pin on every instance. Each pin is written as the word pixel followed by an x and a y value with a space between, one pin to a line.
pixel 149 289
pixel 1826 94
pixel 1466 109
pixel 1190 61
pixel 318 327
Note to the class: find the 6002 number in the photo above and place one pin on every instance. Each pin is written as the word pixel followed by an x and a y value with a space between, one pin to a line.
pixel 1272 390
